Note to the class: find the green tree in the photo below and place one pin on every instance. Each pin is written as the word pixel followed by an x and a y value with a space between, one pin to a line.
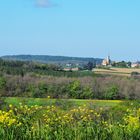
pixel 2 82
pixel 89 66
pixel 122 64
pixel 112 92
pixel 129 64
pixel 87 93
pixel 75 89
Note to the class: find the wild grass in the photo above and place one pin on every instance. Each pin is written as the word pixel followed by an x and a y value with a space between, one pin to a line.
pixel 83 122
pixel 60 102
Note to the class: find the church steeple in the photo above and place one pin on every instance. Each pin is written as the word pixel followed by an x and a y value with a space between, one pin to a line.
pixel 108 60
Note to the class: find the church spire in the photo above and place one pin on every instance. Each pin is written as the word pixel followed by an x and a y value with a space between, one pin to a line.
pixel 108 60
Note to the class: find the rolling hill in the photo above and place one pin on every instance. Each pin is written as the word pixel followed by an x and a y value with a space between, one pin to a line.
pixel 52 59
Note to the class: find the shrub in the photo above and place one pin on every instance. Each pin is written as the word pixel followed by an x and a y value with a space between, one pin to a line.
pixel 75 89
pixel 2 82
pixel 112 93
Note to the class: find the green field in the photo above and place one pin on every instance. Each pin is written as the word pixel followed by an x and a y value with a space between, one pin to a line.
pixel 54 119
pixel 60 102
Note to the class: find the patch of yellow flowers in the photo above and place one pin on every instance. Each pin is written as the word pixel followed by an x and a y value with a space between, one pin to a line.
pixel 81 115
pixel 53 117
pixel 8 119
pixel 132 120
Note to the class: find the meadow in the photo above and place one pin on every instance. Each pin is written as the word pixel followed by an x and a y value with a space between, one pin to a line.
pixel 60 102
pixel 109 120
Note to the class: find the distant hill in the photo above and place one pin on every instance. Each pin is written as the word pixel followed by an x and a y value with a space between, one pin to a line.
pixel 52 59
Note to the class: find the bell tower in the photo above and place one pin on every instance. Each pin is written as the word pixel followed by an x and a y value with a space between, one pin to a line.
pixel 108 60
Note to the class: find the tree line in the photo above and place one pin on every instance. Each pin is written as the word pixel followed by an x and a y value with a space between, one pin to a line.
pixel 24 67
pixel 108 87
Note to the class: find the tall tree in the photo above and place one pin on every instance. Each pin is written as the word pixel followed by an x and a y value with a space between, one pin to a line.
pixel 90 66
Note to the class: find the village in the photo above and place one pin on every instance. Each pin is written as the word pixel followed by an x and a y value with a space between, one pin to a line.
pixel 105 64
pixel 122 64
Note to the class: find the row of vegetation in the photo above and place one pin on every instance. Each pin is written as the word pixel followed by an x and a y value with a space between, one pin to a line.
pixel 80 123
pixel 24 67
pixel 108 87
pixel 30 79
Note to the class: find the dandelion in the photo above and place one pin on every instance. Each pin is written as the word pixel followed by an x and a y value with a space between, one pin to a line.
pixel 48 97
pixel 10 106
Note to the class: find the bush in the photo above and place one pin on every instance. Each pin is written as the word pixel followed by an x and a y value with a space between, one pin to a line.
pixel 2 82
pixel 87 93
pixel 75 89
pixel 112 93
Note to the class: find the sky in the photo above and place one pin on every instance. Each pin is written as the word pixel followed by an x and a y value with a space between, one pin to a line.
pixel 82 28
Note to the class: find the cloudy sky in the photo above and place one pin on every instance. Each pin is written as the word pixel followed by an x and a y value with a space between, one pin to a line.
pixel 88 28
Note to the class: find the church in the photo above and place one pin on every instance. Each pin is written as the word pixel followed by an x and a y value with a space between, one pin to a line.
pixel 107 61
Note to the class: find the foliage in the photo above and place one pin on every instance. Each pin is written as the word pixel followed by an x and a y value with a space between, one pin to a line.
pixel 22 68
pixel 89 66
pixel 122 64
pixel 112 92
pixel 2 82
pixel 80 123
pixel 106 87
pixel 75 89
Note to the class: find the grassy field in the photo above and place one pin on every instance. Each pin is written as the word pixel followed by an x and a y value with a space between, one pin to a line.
pixel 25 119
pixel 61 102
pixel 117 71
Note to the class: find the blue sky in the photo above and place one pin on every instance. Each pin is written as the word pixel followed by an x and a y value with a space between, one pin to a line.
pixel 88 28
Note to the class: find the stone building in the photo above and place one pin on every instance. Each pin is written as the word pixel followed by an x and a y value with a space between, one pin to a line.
pixel 107 61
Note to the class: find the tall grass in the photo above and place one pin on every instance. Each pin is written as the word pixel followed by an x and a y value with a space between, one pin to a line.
pixel 78 123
